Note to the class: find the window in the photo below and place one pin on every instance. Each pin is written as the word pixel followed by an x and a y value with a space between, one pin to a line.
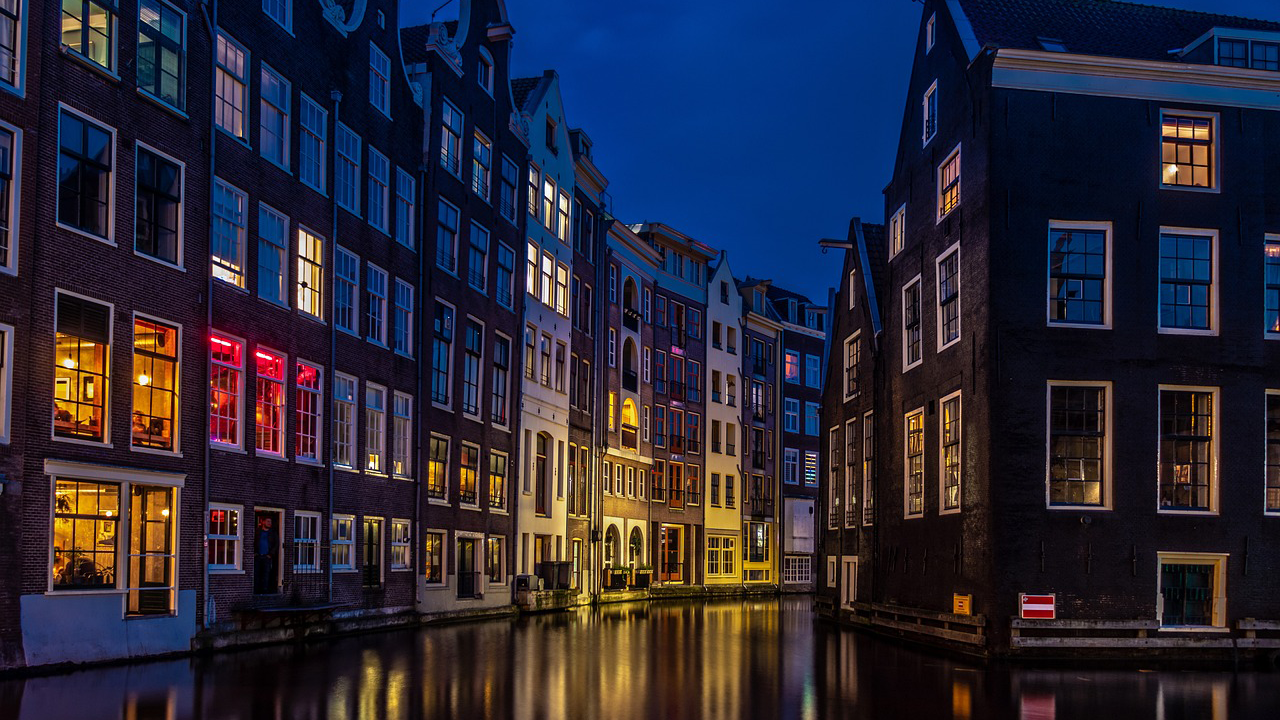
pixel 1233 53
pixel 162 52
pixel 231 84
pixel 930 107
pixel 10 181
pixel 376 302
pixel 313 130
pixel 531 269
pixel 535 181
pixel 346 168
pixel 948 272
pixel 226 386
pixel 949 184
pixel 223 529
pixel 269 411
pixel 433 558
pixel 344 421
pixel 562 289
pixel 546 280
pixel 813 371
pixel 810 468
pixel 501 373
pixel 1271 292
pixel 447 237
pixel 279 10
pixel 507 195
pixel 379 80
pixel 852 356
pixel 379 191
pixel 306 542
pixel 310 273
pixel 1079 261
pixel 484 71
pixel 1273 452
pixel 375 428
pixel 478 259
pixel 438 467
pixel 473 344
pixel 562 212
pixel 309 409
pixel 155 384
pixel 791 415
pixel 346 287
pixel 1187 275
pixel 1266 56
pixel 914 426
pixel 811 419
pixel 1078 446
pixel 468 475
pixel 951 453
pixel 342 543
pixel 159 207
pixel 497 480
pixel 791 466
pixel 273 120
pixel 402 435
pixel 545 356
pixel 504 282
pixel 1187 152
pixel 12 37
pixel 86 160
pixel 561 351
pixel 530 349
pixel 273 268
pixel 1192 590
pixel 404 318
pixel 400 545
pixel 441 353
pixel 229 228
pixel 797 569
pixel 930 32
pixel 868 468
pixel 897 234
pixel 911 346
pixel 481 165
pixel 1188 458
pixel 88 28
pixel 6 382
pixel 406 202
pixel 792 366
pixel 450 138
pixel 613 348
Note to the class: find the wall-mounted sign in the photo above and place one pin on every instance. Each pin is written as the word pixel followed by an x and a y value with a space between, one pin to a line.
pixel 1037 607
pixel 961 604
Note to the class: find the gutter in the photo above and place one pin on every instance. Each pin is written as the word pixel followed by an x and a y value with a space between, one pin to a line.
pixel 336 96
pixel 210 614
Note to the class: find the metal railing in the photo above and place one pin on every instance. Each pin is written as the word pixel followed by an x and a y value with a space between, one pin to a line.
pixel 757 460
pixel 436 491
pixel 758 366
pixel 467 496
pixel 692 445
pixel 761 506
pixel 630 381
pixel 631 319
pixel 677 390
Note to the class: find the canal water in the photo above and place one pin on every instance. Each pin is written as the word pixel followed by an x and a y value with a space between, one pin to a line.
pixel 734 659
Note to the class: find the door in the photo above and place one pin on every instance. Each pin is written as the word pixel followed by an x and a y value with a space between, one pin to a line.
pixel 151 552
pixel 467 581
pixel 372 552
pixel 266 552
pixel 671 566
pixel 849 588
pixel 577 565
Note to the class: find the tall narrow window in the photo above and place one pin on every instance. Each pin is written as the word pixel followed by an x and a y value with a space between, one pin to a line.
pixel 914 427
pixel 1186 282
pixel 162 52
pixel 951 454
pixel 441 354
pixel 437 467
pixel 375 428
pixel 1273 452
pixel 82 347
pixel 1077 275
pixel 507 196
pixel 548 216
pixel 468 475
pixel 400 544
pixel 930 108
pixel 379 80
pixel 911 345
pixel 791 366
pixel 546 279
pixel 404 318
pixel 282 12
pixel 155 385
pixel 433 558
pixel 158 217
pixel 376 302
pixel 346 168
pixel 1271 290
pixel 450 138
pixel 1077 445
pixel 225 389
pixel 949 184
pixel 948 269
pixel 344 421
pixel 273 117
pixel 535 182
pixel 562 212
pixel 406 201
pixel 501 373
pixel 270 408
pixel 306 542
pixel 402 435
pixel 231 86
pixel 229 229
pixel 484 71
pixel 309 407
pixel 481 166
pixel 273 268
pixel 562 289
pixel 346 291
pixel 852 356
pixel 312 138
pixel 447 237
pixel 1187 454
pixel 12 37
pixel 86 159
pixel 868 469
pixel 1187 150
pixel 897 237
pixel 310 273
pixel 9 184
pixel 473 346
pixel 478 258
pixel 224 537
pixel 379 191
pixel 504 281
pixel 88 28
pixel 342 540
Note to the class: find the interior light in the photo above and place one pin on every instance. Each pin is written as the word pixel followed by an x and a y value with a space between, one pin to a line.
pixel 220 341
pixel 69 364
pixel 1173 169
pixel 108 513
pixel 144 379
pixel 165 512
pixel 263 356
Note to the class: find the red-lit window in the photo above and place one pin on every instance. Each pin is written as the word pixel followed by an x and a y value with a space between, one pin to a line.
pixel 225 385
pixel 269 415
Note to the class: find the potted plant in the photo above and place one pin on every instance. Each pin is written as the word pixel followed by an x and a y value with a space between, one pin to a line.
pixel 618 577
pixel 642 577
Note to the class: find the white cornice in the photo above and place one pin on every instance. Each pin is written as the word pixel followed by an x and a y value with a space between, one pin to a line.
pixel 1136 79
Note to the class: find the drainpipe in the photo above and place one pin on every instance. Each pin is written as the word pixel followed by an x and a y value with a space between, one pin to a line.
pixel 336 96
pixel 420 299
pixel 210 614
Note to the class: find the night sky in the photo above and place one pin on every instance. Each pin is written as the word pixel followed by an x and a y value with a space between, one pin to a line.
pixel 755 126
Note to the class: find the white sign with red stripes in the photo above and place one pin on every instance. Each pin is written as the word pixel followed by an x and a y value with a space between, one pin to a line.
pixel 1037 607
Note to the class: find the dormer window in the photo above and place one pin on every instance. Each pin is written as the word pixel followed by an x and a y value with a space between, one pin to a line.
pixel 1255 54
pixel 1052 44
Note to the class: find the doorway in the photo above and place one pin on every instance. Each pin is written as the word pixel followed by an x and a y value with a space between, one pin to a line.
pixel 849 587
pixel 468 584
pixel 266 552
pixel 372 552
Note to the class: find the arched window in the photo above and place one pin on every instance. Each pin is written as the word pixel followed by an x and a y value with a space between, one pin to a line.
pixel 630 295
pixel 630 425
pixel 630 361
pixel 635 547
pixel 612 552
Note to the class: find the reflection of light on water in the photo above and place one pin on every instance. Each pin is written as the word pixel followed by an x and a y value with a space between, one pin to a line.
pixel 370 684
pixel 961 700
pixel 338 693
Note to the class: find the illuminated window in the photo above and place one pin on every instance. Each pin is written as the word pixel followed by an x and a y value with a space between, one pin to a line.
pixel 270 411
pixel 224 537
pixel 433 558
pixel 1187 454
pixel 1187 150
pixel 535 182
pixel 950 447
pixel 497 480
pixel 400 545
pixel 494 560
pixel 548 215
pixel 155 385
pixel 86 160
pixel 1077 445
pixel 88 28
pixel 792 366
pixel 309 404
pixel 82 347
pixel 438 467
pixel 897 237
pixel 562 212
pixel 379 191
pixel 1078 265
pixel 342 539
pixel 306 542
pixel 273 117
pixel 1192 590
pixel 379 80
pixel 1186 281
pixel 226 387
pixel 162 52
pixel 375 428
pixel 469 474
pixel 1271 292
pixel 930 107
pixel 949 184
pixel 481 165
pixel 152 551
pixel 86 519
pixel 402 435
pixel 914 449
pixel 344 420
pixel 310 273
pixel 231 86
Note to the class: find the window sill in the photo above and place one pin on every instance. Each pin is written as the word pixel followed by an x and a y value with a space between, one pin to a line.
pixel 233 137
pixel 282 167
pixel 376 474
pixel 156 451
pixel 309 462
pixel 89 235
pixel 228 571
pixel 435 586
pixel 344 571
pixel 87 443
pixel 227 448
pixel 1191 188
pixel 1192 513
pixel 439 503
pixel 1078 326
pixel 346 469
pixel 275 303
pixel 323 193
pixel 219 282
pixel 349 333
pixel 75 55
pixel 404 355
pixel 1078 508
pixel 163 105
pixel 473 508
pixel 1193 629
pixel 377 343
pixel 404 478
pixel 1209 332
pixel 269 456
pixel 74 593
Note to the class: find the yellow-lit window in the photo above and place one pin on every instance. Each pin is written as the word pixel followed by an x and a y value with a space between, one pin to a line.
pixel 80 370
pixel 155 384
pixel 86 516
pixel 1186 150
pixel 310 273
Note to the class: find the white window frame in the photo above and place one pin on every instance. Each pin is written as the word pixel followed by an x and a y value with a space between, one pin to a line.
pixel 485 80
pixel 282 247
pixel 956 156
pixel 790 412
pixel 1215 460
pixel 906 463
pixel 375 429
pixel 318 273
pixel 1215 130
pixel 854 340
pixel 1220 563
pixel 263 103
pixel 228 274
pixel 379 79
pixel 928 133
pixel 402 442
pixel 350 431
pixel 9 261
pixel 238 567
pixel 942 342
pixel 1215 259
pixel 1108 439
pixel 930 32
pixel 405 527
pixel 307 105
pixel 348 285
pixel 349 542
pixel 942 458
pixel 314 543
pixel 182 205
pixel 241 398
pixel 6 383
pixel 814 363
pixel 346 193
pixel 403 317
pixel 817 418
pixel 897 232
pixel 243 90
pixel 1107 230
pixel 285 22
pixel 317 396
pixel 280 433
pixel 379 205
pixel 377 302
pixel 18 86
pixel 906 363
pixel 406 208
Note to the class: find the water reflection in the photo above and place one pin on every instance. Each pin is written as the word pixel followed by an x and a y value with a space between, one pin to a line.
pixel 753 659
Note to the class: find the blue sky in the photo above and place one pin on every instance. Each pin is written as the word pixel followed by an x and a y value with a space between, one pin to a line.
pixel 755 126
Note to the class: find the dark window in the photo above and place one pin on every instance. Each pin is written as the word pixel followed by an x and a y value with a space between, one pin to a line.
pixel 501 368
pixel 1077 438
pixel 1188 595
pixel 84 175
pixel 8 144
pixel 1233 53
pixel 159 206
pixel 1077 276
pixel 1186 277
pixel 911 322
pixel 440 355
pixel 1186 449
pixel 1266 56
pixel 471 368
pixel 160 51
pixel 949 296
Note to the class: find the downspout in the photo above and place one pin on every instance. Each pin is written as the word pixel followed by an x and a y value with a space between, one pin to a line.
pixel 210 614
pixel 603 255
pixel 336 96
pixel 420 300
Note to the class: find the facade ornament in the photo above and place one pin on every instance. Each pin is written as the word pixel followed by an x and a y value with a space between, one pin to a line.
pixel 520 126
pixel 338 16
pixel 438 40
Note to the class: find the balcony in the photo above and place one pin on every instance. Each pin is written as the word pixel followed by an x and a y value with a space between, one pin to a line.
pixel 833 518
pixel 436 491
pixel 677 445
pixel 446 259
pixel 468 495
pixel 757 459
pixel 630 438
pixel 631 319
pixel 659 491
pixel 507 207
pixel 693 445
pixel 449 161
pixel 692 496
pixel 630 381
pixel 677 390
pixel 760 506
pixel 715 396
pixel 480 184
pixel 758 366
